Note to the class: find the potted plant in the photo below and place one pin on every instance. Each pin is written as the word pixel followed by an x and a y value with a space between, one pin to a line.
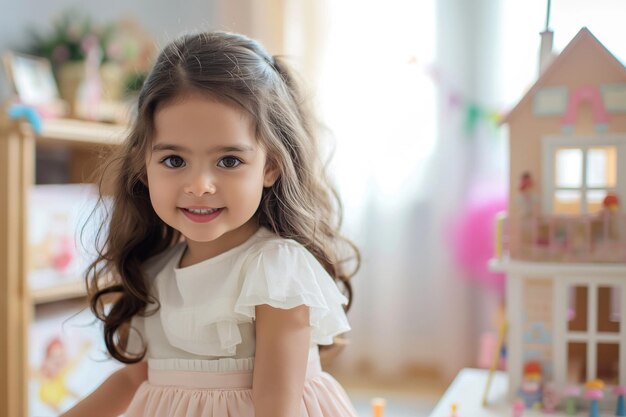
pixel 72 36
pixel 123 49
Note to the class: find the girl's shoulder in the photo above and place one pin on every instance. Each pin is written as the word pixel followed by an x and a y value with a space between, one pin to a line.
pixel 274 254
pixel 283 273
pixel 272 247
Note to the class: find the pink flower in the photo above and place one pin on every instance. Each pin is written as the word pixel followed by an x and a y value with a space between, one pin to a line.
pixel 114 51
pixel 89 42
pixel 60 54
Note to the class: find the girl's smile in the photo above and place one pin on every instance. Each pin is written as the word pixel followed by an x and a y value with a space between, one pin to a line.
pixel 201 215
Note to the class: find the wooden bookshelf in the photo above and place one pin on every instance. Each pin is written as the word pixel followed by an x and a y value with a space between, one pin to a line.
pixel 18 145
pixel 61 292
pixel 78 132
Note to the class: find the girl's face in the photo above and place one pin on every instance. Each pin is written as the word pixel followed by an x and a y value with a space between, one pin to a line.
pixel 206 171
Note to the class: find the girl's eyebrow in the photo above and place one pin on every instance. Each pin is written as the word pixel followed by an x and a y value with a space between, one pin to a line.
pixel 216 149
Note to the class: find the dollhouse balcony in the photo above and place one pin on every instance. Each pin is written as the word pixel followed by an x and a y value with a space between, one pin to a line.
pixel 599 237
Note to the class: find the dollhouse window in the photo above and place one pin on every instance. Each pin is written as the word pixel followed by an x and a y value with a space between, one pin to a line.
pixel 607 366
pixel 608 315
pixel 602 167
pixel 582 178
pixel 608 305
pixel 616 304
pixel 569 165
pixel 576 362
pixel 577 309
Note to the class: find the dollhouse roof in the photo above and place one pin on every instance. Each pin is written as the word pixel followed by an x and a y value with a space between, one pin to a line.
pixel 583 41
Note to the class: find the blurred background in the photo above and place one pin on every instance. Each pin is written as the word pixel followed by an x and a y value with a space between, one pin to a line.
pixel 411 94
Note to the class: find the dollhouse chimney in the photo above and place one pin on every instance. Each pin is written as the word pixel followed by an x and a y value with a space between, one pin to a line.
pixel 545 53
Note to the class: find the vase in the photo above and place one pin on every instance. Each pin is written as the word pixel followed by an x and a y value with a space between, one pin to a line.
pixel 69 77
pixel 112 77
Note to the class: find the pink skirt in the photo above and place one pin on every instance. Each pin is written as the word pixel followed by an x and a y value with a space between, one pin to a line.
pixel 229 394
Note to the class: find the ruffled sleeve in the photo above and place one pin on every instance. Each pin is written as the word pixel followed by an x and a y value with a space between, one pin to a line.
pixel 285 275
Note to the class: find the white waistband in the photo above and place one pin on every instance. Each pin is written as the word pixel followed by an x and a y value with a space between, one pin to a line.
pixel 214 380
pixel 202 365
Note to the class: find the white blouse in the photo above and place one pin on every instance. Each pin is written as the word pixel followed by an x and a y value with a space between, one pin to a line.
pixel 205 320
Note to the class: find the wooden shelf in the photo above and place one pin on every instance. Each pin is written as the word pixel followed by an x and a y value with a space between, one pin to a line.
pixel 79 132
pixel 69 291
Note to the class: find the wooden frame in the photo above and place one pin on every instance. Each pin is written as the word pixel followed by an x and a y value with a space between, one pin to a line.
pixel 16 169
pixel 32 78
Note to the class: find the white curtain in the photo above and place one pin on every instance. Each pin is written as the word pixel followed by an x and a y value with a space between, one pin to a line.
pixel 405 165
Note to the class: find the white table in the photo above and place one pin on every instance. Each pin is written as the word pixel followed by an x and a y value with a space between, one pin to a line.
pixel 467 392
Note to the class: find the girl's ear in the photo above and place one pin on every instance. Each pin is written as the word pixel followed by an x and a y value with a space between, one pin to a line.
pixel 271 174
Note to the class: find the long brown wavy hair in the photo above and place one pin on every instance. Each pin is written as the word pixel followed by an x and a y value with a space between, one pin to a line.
pixel 301 205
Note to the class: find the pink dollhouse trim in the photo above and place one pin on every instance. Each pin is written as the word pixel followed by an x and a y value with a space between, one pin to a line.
pixel 584 94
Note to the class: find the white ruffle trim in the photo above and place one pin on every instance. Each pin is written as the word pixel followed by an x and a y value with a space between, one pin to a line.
pixel 285 276
pixel 204 319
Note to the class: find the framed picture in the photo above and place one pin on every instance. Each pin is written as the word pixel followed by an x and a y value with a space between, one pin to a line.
pixel 32 78
pixel 67 357
pixel 61 235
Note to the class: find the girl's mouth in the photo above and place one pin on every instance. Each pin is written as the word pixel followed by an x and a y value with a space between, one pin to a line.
pixel 201 215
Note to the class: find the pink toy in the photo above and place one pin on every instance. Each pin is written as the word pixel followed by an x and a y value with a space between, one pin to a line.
pixel 594 393
pixel 551 398
pixel 473 241
pixel 518 408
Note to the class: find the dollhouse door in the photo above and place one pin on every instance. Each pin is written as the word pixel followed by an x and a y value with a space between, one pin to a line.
pixel 590 340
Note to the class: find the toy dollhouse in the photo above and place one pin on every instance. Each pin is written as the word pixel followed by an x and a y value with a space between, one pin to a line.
pixel 565 233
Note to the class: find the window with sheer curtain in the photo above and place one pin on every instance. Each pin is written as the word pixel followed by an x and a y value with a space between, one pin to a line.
pixel 390 80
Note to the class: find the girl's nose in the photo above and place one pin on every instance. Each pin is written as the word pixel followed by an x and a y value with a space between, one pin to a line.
pixel 200 184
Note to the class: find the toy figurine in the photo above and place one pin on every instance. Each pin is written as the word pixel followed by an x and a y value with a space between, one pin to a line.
pixel 453 408
pixel 528 199
pixel 518 407
pixel 528 203
pixel 620 408
pixel 378 407
pixel 571 394
pixel 531 389
pixel 610 215
pixel 551 398
pixel 593 393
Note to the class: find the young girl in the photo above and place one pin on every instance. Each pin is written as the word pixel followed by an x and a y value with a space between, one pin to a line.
pixel 222 257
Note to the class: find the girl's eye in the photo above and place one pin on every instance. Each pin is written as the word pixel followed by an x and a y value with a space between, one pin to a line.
pixel 229 162
pixel 173 161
